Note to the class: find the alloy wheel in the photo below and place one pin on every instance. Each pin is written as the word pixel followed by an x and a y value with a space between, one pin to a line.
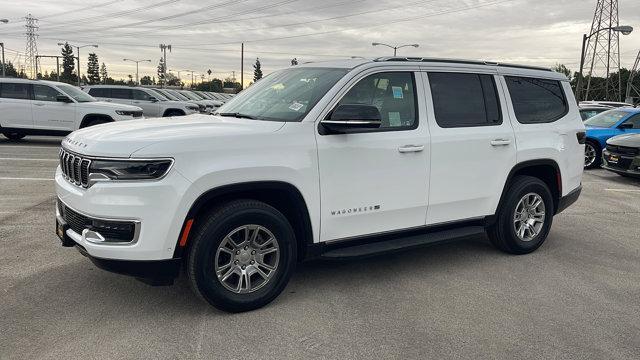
pixel 529 216
pixel 589 155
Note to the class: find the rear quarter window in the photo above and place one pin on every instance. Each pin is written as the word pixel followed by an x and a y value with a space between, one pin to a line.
pixel 536 100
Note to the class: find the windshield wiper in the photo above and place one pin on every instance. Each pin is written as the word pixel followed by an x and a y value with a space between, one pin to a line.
pixel 237 115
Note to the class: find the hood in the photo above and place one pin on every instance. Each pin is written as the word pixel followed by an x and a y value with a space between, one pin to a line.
pixel 123 138
pixel 628 140
pixel 108 106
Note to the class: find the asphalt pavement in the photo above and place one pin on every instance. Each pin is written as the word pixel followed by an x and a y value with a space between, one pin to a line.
pixel 577 297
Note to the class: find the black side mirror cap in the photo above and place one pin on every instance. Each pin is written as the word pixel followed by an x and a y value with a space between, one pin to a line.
pixel 64 99
pixel 349 118
pixel 625 126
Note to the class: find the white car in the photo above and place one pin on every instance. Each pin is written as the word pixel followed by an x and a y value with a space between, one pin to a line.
pixel 152 103
pixel 336 159
pixel 36 107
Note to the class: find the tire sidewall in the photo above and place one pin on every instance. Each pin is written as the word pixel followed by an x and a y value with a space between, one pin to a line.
pixel 597 160
pixel 514 242
pixel 202 259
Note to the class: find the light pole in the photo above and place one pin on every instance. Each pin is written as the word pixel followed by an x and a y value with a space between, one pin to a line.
pixel 178 71
pixel 78 49
pixel 624 29
pixel 137 62
pixel 2 45
pixel 191 71
pixel 395 48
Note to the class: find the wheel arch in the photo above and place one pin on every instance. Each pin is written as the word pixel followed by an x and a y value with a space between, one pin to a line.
pixel 174 110
pixel 546 170
pixel 92 116
pixel 283 196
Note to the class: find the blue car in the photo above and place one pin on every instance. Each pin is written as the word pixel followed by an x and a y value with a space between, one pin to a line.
pixel 605 125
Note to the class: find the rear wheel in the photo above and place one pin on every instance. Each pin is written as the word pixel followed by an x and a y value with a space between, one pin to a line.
pixel 524 218
pixel 592 155
pixel 96 121
pixel 14 135
pixel 241 256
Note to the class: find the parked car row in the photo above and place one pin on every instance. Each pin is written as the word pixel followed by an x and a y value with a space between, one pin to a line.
pixel 602 127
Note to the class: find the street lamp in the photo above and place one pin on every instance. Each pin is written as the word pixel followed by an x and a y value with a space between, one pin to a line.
pixel 178 71
pixel 2 46
pixel 137 62
pixel 78 49
pixel 395 48
pixel 624 29
pixel 192 72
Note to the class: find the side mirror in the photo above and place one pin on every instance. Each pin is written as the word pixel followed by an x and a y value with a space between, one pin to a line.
pixel 352 118
pixel 64 99
pixel 625 126
pixel 153 99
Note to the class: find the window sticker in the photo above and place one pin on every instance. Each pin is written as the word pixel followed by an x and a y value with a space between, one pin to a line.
pixel 397 92
pixel 296 106
pixel 394 119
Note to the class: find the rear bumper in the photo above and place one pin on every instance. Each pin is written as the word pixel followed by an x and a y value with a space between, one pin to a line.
pixel 568 199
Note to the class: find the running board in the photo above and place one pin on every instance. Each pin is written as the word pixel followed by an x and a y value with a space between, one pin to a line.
pixel 402 243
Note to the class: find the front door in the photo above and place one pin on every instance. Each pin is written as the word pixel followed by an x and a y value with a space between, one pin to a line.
pixel 143 99
pixel 472 145
pixel 50 114
pixel 15 105
pixel 376 181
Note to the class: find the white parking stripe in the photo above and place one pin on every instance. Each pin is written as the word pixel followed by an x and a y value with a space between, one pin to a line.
pixel 624 190
pixel 30 179
pixel 28 159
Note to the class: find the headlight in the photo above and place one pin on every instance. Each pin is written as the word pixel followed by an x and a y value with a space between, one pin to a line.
pixel 128 169
pixel 124 112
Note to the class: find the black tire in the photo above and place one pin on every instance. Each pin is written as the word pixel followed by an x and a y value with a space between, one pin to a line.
pixel 209 235
pixel 598 160
pixel 15 136
pixel 503 233
pixel 170 113
pixel 94 122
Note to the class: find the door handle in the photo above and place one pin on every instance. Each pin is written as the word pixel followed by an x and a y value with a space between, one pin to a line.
pixel 500 142
pixel 410 148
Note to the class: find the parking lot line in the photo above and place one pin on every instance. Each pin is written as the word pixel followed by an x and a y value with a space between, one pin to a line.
pixel 27 178
pixel 624 190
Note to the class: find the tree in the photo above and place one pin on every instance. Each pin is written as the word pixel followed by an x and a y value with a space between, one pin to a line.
pixel 257 71
pixel 103 73
pixel 172 80
pixel 294 61
pixel 93 69
pixel 213 85
pixel 161 72
pixel 68 65
pixel 10 70
pixel 562 69
pixel 130 81
pixel 146 80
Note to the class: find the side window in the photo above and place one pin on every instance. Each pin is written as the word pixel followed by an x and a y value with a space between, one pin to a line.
pixel 393 93
pixel 118 93
pixel 635 120
pixel 536 100
pixel 45 93
pixel 100 92
pixel 140 95
pixel 464 100
pixel 15 91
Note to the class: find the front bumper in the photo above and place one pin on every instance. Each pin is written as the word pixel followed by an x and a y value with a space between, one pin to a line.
pixel 627 165
pixel 156 208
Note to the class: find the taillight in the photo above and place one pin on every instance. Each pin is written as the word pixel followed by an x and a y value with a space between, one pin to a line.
pixel 582 137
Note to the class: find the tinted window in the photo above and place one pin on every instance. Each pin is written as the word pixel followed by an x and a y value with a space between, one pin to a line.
pixel 45 93
pixel 14 91
pixel 536 100
pixel 121 93
pixel 464 99
pixel 100 92
pixel 634 120
pixel 140 95
pixel 393 93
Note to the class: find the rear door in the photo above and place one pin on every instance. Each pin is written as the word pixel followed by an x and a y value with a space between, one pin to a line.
pixel 101 93
pixel 15 105
pixel 472 144
pixel 50 114
pixel 121 96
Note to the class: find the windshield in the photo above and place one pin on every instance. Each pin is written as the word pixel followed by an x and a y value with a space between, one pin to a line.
pixel 606 119
pixel 178 95
pixel 285 95
pixel 75 93
pixel 190 95
pixel 168 95
pixel 158 95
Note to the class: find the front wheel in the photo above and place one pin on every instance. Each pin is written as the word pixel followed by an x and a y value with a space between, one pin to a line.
pixel 14 135
pixel 242 256
pixel 524 218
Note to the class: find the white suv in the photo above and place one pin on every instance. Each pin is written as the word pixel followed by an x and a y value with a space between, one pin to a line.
pixel 152 103
pixel 34 107
pixel 336 160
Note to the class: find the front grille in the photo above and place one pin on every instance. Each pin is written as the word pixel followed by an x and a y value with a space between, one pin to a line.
pixel 113 231
pixel 623 150
pixel 75 168
pixel 623 164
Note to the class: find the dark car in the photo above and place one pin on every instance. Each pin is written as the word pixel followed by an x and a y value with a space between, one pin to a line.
pixel 622 155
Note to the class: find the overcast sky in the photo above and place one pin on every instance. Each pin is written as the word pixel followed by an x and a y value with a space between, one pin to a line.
pixel 207 34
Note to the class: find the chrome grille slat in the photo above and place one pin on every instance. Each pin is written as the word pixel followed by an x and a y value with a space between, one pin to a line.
pixel 75 168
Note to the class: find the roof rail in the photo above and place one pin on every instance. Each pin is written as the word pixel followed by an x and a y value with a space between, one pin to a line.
pixel 459 61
